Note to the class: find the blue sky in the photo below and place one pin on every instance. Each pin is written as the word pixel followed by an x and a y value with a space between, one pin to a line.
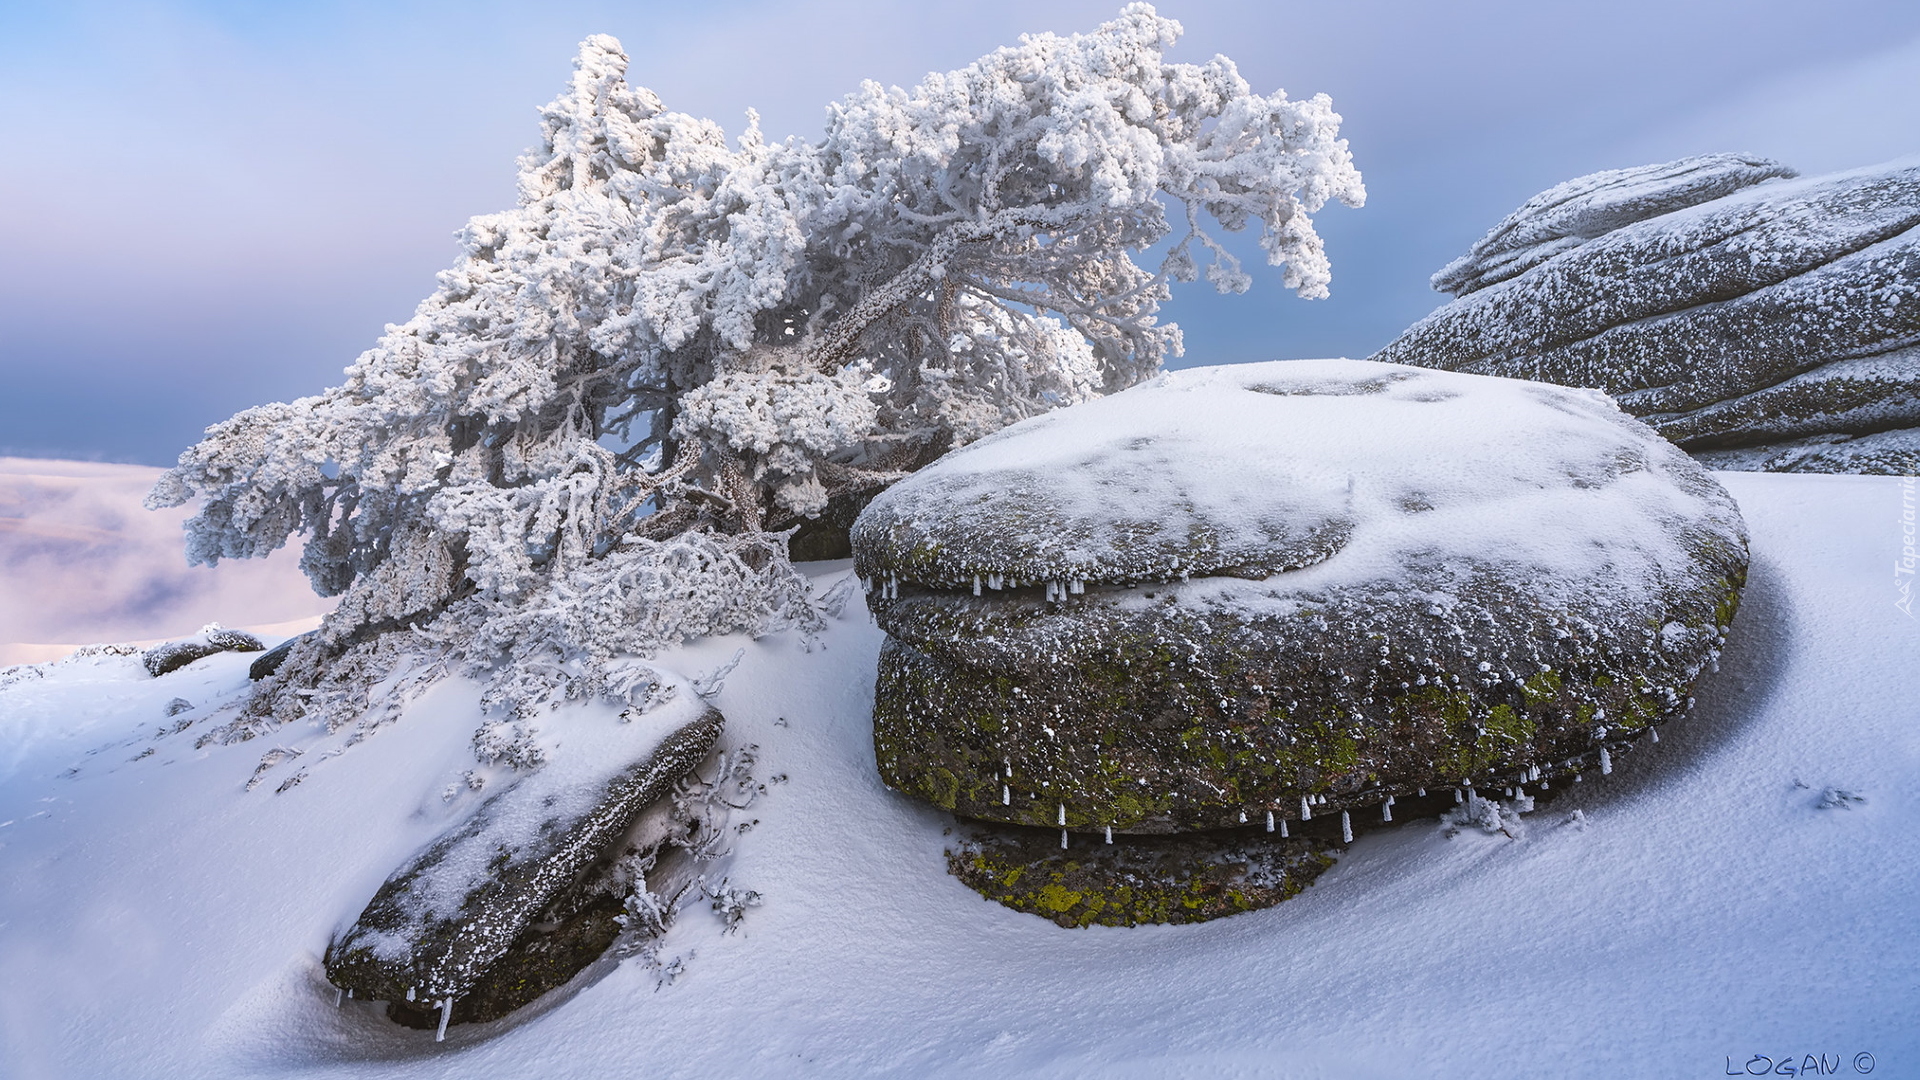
pixel 208 205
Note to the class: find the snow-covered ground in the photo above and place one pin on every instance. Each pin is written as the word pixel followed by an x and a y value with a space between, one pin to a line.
pixel 1749 886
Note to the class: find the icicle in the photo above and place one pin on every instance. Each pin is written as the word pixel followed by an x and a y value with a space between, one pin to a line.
pixel 446 1013
pixel 339 996
pixel 1063 838
pixel 866 586
pixel 1243 817
pixel 1423 793
pixel 1306 809
pixel 976 584
pixel 1283 828
pixel 349 992
pixel 1472 794
pixel 1078 586
pixel 1269 821
pixel 1386 809
pixel 1346 828
pixel 1457 797
pixel 1543 785
pixel 1006 795
pixel 1049 592
pixel 409 993
pixel 1655 732
pixel 1606 762
pixel 1109 834
pixel 1063 814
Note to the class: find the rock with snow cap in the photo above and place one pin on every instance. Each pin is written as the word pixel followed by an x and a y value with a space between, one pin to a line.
pixel 1758 321
pixel 170 656
pixel 1299 588
pixel 435 929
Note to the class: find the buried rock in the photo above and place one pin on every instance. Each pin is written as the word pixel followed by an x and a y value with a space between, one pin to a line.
pixel 505 883
pixel 1297 589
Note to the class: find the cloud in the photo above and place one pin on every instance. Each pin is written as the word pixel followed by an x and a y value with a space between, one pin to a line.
pixel 81 562
pixel 1827 118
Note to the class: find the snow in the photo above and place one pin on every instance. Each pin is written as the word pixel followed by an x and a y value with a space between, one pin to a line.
pixel 1698 906
pixel 1348 468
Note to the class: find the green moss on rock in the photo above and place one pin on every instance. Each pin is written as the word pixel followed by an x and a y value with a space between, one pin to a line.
pixel 1140 880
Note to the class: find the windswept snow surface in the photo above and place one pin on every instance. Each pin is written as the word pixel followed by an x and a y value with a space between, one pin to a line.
pixel 1719 896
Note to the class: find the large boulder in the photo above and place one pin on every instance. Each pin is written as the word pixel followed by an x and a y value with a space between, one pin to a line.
pixel 1758 321
pixel 434 932
pixel 1248 594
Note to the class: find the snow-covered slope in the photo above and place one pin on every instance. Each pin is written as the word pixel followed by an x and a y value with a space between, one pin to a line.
pixel 1700 908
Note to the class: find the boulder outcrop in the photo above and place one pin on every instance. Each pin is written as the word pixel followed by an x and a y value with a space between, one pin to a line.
pixel 1274 592
pixel 1759 321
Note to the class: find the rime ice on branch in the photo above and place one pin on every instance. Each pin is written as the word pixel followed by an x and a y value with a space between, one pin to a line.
pixel 585 442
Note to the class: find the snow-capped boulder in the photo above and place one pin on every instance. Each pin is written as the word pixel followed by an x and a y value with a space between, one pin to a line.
pixel 213 638
pixel 1569 214
pixel 1293 589
pixel 435 928
pixel 1758 321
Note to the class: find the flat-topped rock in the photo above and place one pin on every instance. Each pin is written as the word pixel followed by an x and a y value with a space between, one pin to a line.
pixel 1398 579
pixel 1770 325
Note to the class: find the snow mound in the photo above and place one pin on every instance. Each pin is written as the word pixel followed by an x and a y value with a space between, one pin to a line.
pixel 1252 469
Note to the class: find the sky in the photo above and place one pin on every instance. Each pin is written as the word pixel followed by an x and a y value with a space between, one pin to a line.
pixel 205 206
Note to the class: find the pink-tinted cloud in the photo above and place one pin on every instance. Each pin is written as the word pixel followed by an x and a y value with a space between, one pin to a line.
pixel 81 561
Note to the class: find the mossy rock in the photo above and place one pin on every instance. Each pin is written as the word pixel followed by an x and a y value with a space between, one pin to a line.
pixel 1183 879
pixel 1480 617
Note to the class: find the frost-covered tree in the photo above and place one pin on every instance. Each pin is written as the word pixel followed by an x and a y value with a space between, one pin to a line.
pixel 597 436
